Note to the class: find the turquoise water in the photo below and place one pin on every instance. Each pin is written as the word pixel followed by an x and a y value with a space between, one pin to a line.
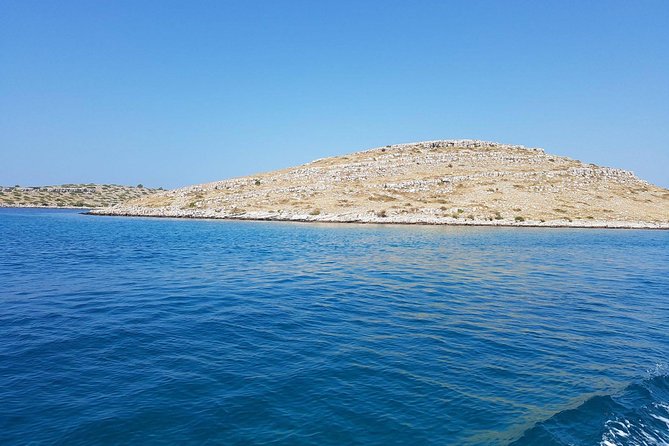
pixel 158 331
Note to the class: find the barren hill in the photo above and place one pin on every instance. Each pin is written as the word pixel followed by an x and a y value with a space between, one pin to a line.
pixel 432 182
pixel 70 195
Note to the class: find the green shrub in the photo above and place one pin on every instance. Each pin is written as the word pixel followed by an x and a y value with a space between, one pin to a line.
pixel 519 218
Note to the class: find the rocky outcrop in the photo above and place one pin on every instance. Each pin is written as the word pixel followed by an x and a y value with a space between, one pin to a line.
pixel 434 182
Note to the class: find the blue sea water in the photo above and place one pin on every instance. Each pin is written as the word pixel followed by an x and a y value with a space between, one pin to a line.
pixel 160 331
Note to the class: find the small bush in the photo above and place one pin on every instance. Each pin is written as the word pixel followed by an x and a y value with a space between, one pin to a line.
pixel 382 213
pixel 257 182
pixel 315 212
pixel 519 218
pixel 498 216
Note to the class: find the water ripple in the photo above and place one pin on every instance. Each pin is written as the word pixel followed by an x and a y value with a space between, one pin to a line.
pixel 125 331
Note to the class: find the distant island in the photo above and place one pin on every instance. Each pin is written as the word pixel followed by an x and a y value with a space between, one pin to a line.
pixel 70 195
pixel 463 182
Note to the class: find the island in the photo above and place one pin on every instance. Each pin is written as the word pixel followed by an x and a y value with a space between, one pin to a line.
pixel 453 182
pixel 70 195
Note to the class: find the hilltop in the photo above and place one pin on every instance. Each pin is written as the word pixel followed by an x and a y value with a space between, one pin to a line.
pixel 70 195
pixel 433 182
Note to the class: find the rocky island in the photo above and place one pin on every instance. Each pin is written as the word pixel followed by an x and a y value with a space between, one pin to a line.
pixel 463 182
pixel 70 195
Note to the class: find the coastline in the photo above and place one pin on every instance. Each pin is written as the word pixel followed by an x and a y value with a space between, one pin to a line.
pixel 41 207
pixel 373 219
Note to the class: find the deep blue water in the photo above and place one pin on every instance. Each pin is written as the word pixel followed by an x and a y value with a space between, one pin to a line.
pixel 157 331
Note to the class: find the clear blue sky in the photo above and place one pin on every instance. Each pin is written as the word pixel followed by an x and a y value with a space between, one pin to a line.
pixel 169 93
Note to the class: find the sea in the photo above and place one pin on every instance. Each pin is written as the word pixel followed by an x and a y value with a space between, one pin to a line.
pixel 129 331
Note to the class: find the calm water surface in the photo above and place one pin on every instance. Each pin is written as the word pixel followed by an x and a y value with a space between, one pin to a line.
pixel 152 331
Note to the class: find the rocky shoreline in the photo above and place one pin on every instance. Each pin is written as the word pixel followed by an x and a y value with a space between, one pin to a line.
pixel 449 182
pixel 29 206
pixel 372 219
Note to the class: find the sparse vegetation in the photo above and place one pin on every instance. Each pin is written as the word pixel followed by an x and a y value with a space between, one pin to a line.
pixel 380 197
pixel 431 182
pixel 70 195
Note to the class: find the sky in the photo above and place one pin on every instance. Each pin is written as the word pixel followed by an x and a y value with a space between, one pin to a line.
pixel 170 93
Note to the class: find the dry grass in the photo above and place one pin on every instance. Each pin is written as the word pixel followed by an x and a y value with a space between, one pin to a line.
pixel 73 195
pixel 427 179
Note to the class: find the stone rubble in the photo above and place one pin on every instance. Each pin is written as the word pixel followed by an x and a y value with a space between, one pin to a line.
pixel 464 182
